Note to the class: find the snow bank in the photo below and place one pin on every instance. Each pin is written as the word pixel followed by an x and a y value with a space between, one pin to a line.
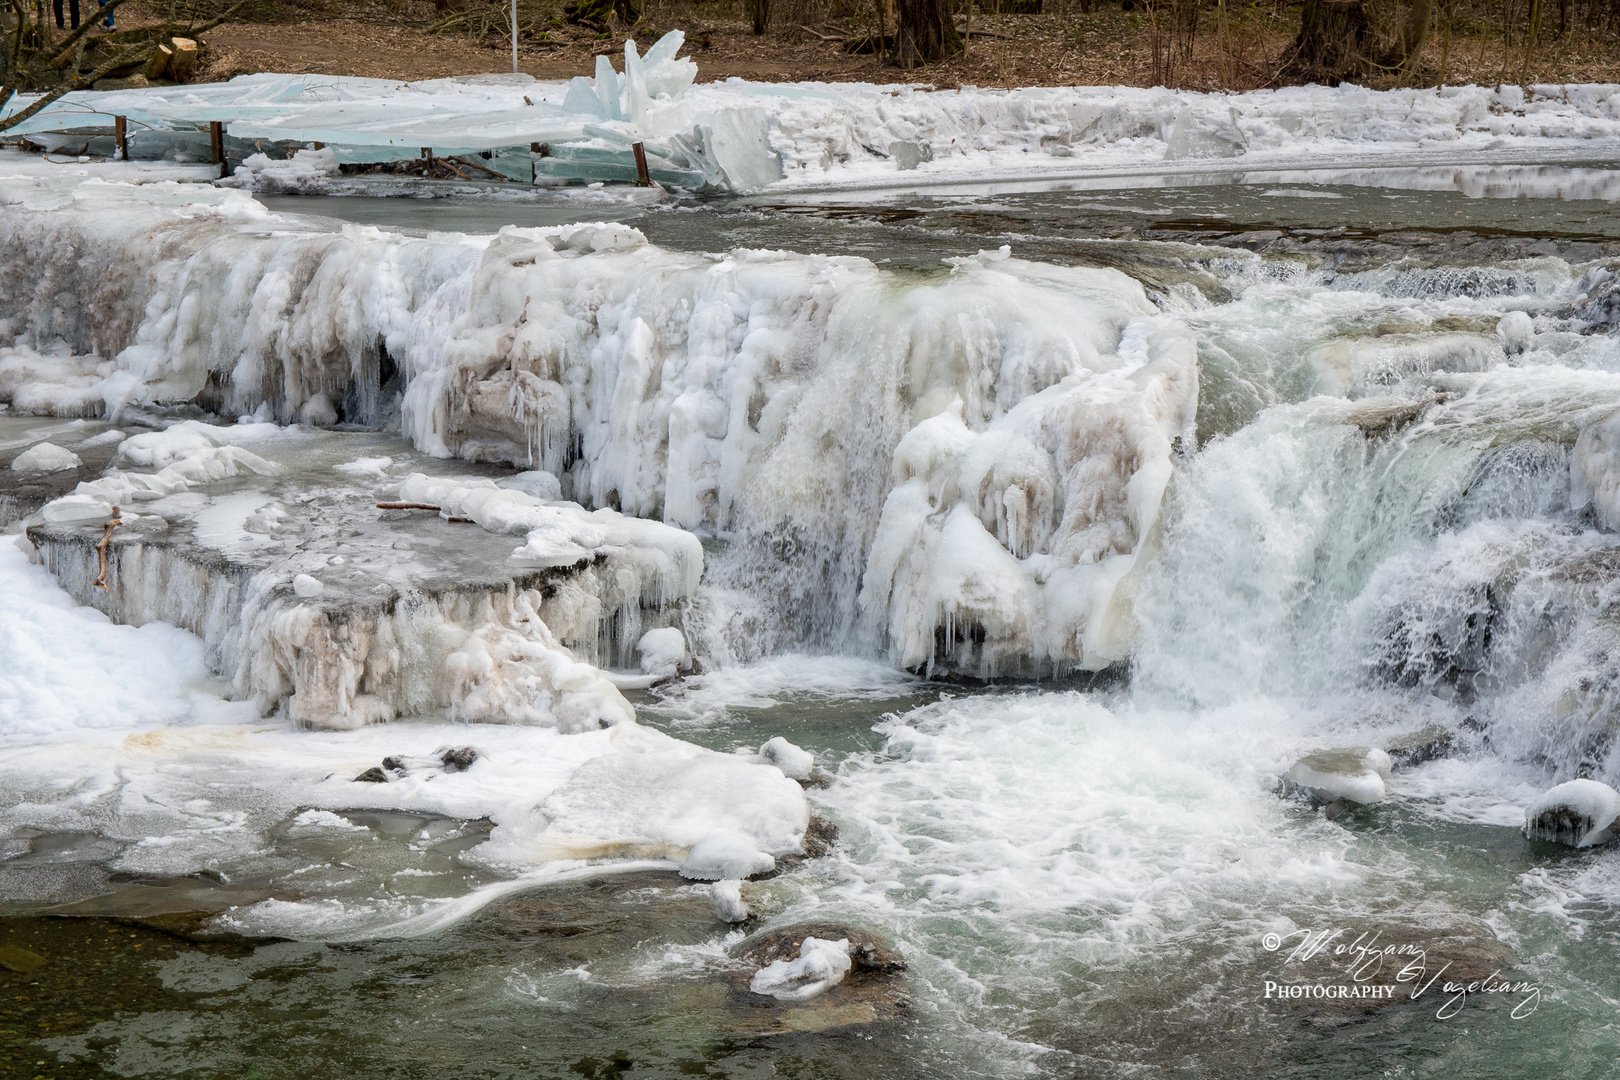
pixel 119 733
pixel 764 397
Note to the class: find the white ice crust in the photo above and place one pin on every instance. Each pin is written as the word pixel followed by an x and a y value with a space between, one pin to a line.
pixel 795 763
pixel 821 966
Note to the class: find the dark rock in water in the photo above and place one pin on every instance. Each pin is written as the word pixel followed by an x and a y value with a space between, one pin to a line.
pixel 873 991
pixel 394 763
pixel 1425 744
pixel 373 775
pixel 459 758
pixel 1337 809
pixel 819 837
pixel 868 953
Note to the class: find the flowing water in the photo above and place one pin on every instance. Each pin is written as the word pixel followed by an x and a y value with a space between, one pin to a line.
pixel 1373 532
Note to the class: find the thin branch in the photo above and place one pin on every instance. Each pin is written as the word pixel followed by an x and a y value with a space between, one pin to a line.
pixel 78 82
pixel 101 549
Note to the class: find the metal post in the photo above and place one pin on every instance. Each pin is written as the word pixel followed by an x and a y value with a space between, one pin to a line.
pixel 121 137
pixel 514 37
pixel 642 177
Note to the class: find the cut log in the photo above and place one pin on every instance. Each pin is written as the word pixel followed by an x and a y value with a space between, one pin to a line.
pixel 158 66
pixel 184 60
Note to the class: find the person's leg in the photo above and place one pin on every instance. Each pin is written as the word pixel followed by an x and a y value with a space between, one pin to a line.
pixel 108 22
pixel 73 10
pixel 59 24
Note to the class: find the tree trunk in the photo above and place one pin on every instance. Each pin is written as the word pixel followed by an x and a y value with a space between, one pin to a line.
pixel 762 14
pixel 1332 41
pixel 926 34
pixel 1413 34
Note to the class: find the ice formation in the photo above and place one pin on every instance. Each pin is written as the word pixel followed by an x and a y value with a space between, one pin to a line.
pixel 45 457
pixel 1594 471
pixel 795 763
pixel 770 398
pixel 303 610
pixel 181 781
pixel 1355 773
pixel 717 815
pixel 727 898
pixel 821 966
pixel 1008 545
pixel 1577 812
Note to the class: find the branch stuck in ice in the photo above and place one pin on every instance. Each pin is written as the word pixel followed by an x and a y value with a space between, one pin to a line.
pixel 101 550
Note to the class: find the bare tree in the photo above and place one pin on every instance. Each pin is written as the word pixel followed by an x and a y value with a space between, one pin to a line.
pixel 926 33
pixel 1340 39
pixel 31 62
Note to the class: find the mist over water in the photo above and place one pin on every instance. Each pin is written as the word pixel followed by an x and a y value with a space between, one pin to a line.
pixel 1382 518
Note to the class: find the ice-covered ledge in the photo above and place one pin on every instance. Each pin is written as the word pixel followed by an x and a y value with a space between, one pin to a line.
pixel 268 544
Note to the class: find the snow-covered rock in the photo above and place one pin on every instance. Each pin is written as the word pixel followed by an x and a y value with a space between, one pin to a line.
pixel 45 457
pixel 821 965
pixel 1356 773
pixel 796 764
pixel 1578 812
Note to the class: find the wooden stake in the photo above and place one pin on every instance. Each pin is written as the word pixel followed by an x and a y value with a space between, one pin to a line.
pixel 121 137
pixel 642 176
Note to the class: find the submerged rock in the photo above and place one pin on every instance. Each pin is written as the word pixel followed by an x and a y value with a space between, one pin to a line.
pixel 1352 773
pixel 1580 813
pixel 1425 744
pixel 871 989
pixel 19 960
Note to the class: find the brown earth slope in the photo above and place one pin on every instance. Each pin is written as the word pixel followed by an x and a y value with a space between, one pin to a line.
pixel 812 40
